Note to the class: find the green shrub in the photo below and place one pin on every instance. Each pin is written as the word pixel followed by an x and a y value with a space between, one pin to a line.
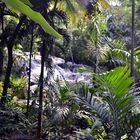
pixel 18 86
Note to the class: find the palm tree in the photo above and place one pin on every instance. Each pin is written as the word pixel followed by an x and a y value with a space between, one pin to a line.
pixel 111 102
pixel 25 9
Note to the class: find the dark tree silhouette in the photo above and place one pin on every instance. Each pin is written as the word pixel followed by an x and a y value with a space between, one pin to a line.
pixel 41 81
pixel 29 78
pixel 2 37
pixel 10 44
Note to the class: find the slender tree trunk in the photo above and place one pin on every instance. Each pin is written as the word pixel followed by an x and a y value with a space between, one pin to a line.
pixel 97 52
pixel 2 39
pixel 96 44
pixel 10 44
pixel 29 78
pixel 133 39
pixel 41 84
pixel 7 76
pixel 71 55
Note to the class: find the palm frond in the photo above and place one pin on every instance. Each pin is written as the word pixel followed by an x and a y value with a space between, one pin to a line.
pixel 111 101
pixel 92 103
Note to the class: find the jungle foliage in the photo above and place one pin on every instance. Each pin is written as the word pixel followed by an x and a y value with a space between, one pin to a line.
pixel 96 33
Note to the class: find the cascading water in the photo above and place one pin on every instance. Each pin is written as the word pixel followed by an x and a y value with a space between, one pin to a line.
pixel 61 70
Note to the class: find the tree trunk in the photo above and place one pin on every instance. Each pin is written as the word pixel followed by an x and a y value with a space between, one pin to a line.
pixel 97 52
pixel 8 73
pixel 41 84
pixel 2 40
pixel 10 44
pixel 29 78
pixel 133 39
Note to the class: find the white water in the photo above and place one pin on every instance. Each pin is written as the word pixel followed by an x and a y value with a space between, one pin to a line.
pixel 61 70
pixel 114 2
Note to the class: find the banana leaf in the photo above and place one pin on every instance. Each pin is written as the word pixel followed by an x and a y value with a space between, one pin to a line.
pixel 33 15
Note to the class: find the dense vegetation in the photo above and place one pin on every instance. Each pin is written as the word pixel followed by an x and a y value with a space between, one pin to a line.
pixel 102 37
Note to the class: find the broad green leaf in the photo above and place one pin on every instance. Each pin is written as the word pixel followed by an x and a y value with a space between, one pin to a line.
pixel 35 16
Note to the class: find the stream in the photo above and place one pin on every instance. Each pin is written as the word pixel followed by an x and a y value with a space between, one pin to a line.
pixel 61 70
